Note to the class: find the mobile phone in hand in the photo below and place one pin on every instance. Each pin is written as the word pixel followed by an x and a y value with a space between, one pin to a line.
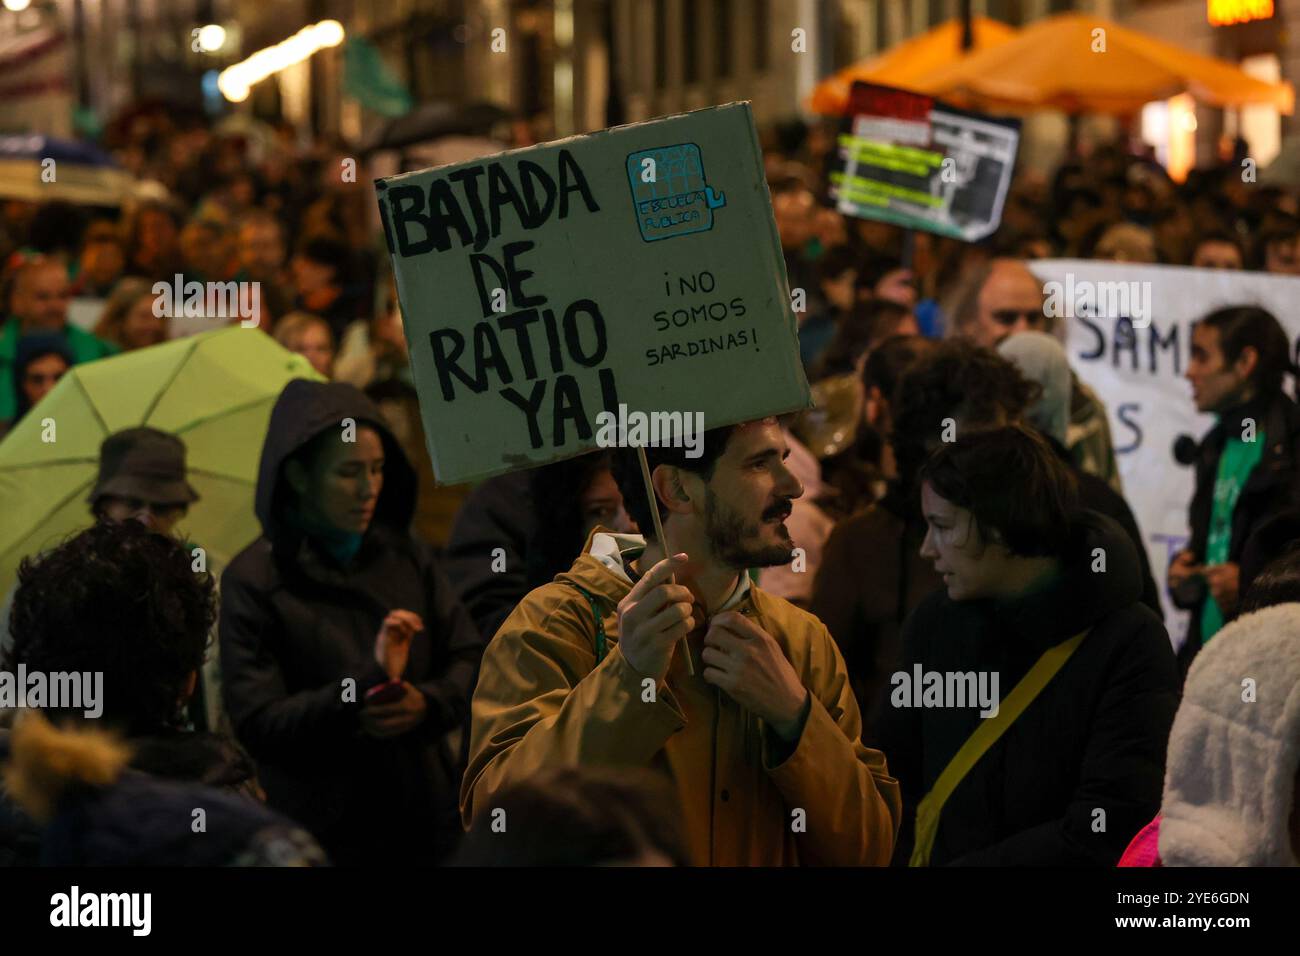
pixel 385 693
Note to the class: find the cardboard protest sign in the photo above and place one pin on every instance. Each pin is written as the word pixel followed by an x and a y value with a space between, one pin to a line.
pixel 638 267
pixel 913 161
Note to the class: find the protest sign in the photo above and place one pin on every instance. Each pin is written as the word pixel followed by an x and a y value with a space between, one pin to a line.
pixel 1137 369
pixel 638 267
pixel 914 161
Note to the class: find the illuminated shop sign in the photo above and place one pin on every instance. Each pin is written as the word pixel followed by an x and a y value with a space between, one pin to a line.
pixel 1222 13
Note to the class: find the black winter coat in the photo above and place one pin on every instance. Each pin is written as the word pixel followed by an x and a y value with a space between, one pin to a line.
pixel 295 625
pixel 497 514
pixel 191 757
pixel 872 576
pixel 1273 487
pixel 1093 740
pixel 1095 494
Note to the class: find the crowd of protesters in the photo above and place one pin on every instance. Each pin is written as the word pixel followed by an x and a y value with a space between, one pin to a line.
pixel 383 671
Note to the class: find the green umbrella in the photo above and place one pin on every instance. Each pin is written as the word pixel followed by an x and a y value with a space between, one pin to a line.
pixel 214 391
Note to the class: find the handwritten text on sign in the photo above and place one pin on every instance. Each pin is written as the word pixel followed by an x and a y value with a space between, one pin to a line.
pixel 638 266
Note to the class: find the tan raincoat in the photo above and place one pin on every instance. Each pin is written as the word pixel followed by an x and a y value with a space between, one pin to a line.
pixel 543 700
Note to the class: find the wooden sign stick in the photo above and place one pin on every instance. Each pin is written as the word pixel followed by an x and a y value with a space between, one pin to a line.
pixel 661 537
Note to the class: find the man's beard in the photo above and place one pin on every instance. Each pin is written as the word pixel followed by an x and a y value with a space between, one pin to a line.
pixel 734 542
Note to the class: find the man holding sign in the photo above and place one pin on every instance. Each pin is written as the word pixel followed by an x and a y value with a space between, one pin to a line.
pixel 548 292
pixel 758 733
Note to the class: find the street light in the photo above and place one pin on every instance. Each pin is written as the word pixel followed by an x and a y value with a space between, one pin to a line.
pixel 212 38
pixel 236 81
pixel 17 6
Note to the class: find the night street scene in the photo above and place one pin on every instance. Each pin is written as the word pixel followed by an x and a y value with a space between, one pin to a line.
pixel 474 436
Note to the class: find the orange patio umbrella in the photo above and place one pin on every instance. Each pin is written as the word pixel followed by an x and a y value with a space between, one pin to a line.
pixel 906 63
pixel 1083 64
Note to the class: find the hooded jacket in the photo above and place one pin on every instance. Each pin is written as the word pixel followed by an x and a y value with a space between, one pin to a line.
pixel 1042 359
pixel 1092 740
pixel 1235 748
pixel 295 625
pixel 543 700
pixel 1273 487
pixel 185 757
pixel 77 797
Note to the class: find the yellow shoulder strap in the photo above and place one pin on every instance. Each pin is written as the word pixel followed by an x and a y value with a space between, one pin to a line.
pixel 984 737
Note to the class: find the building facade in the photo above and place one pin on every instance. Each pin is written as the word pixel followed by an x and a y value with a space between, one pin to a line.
pixel 1268 47
pixel 568 66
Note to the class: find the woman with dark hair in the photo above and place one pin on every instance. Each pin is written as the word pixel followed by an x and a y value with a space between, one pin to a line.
pixel 537 523
pixel 571 499
pixel 346 659
pixel 40 360
pixel 1247 466
pixel 1027 725
pixel 872 575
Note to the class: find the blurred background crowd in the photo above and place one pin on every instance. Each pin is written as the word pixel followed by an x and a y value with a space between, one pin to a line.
pixel 299 219
pixel 275 187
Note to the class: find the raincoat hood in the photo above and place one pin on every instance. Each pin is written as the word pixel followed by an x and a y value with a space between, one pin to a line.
pixel 304 410
pixel 1235 748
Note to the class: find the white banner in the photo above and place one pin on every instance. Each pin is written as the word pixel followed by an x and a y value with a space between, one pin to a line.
pixel 1138 372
